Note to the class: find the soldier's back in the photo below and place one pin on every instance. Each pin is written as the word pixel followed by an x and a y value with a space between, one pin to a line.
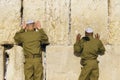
pixel 31 42
pixel 90 48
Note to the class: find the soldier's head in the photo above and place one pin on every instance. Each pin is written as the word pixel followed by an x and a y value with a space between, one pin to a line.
pixel 30 25
pixel 89 32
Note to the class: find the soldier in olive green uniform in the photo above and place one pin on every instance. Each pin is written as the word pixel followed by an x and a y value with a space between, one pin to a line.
pixel 31 41
pixel 88 48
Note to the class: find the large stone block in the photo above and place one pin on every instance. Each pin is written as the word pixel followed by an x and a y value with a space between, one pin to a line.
pixel 1 63
pixel 9 19
pixel 33 10
pixel 15 66
pixel 53 15
pixel 109 64
pixel 93 13
pixel 114 22
pixel 63 65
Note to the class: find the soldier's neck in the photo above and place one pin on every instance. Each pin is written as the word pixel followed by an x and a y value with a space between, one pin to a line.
pixel 90 36
pixel 30 30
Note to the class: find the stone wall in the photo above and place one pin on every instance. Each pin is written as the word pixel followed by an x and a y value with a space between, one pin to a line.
pixel 9 19
pixel 62 64
pixel 114 22
pixel 93 13
pixel 53 15
pixel 65 66
pixel 15 67
pixel 1 63
pixel 62 20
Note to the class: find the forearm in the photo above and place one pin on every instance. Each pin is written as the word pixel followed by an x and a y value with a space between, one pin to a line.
pixel 22 30
pixel 17 36
pixel 77 48
pixel 17 40
pixel 44 37
pixel 101 50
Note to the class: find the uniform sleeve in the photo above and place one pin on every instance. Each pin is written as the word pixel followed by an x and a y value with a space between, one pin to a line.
pixel 44 37
pixel 101 49
pixel 17 37
pixel 44 40
pixel 21 31
pixel 78 48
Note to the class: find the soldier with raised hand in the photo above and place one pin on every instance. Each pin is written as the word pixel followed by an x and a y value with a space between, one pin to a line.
pixel 31 41
pixel 88 48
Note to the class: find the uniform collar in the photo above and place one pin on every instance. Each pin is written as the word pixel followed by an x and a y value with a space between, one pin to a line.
pixel 30 30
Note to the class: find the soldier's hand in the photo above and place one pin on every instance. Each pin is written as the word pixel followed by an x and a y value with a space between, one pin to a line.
pixel 23 25
pixel 37 25
pixel 97 36
pixel 78 37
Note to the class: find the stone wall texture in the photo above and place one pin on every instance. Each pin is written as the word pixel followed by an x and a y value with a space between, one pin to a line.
pixel 9 19
pixel 15 67
pixel 114 22
pixel 62 20
pixel 63 65
pixel 93 13
pixel 53 15
pixel 1 63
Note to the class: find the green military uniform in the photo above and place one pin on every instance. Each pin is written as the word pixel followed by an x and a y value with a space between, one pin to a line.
pixel 89 50
pixel 31 41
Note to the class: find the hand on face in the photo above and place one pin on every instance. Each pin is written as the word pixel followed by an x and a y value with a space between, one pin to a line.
pixel 37 25
pixel 78 37
pixel 97 36
pixel 23 25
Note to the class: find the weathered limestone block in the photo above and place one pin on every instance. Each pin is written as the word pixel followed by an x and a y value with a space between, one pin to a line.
pixel 53 15
pixel 62 64
pixel 9 19
pixel 109 64
pixel 1 63
pixel 15 68
pixel 93 13
pixel 114 22
pixel 33 9
pixel 65 66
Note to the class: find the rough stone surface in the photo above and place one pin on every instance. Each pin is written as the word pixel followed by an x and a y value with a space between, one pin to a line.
pixel 33 10
pixel 65 66
pixel 1 63
pixel 93 13
pixel 62 63
pixel 109 64
pixel 62 26
pixel 15 68
pixel 114 22
pixel 9 19
pixel 53 15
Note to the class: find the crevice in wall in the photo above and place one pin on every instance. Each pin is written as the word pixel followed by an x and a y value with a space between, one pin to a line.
pixel 109 11
pixel 69 26
pixel 109 18
pixel 5 58
pixel 21 11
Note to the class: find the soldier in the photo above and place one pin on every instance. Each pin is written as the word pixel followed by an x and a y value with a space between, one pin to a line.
pixel 88 48
pixel 31 41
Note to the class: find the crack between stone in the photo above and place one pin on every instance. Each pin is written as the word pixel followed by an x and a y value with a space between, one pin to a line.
pixel 109 19
pixel 21 11
pixel 69 23
pixel 109 11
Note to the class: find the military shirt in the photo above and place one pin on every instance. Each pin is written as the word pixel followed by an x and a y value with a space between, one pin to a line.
pixel 31 40
pixel 89 49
